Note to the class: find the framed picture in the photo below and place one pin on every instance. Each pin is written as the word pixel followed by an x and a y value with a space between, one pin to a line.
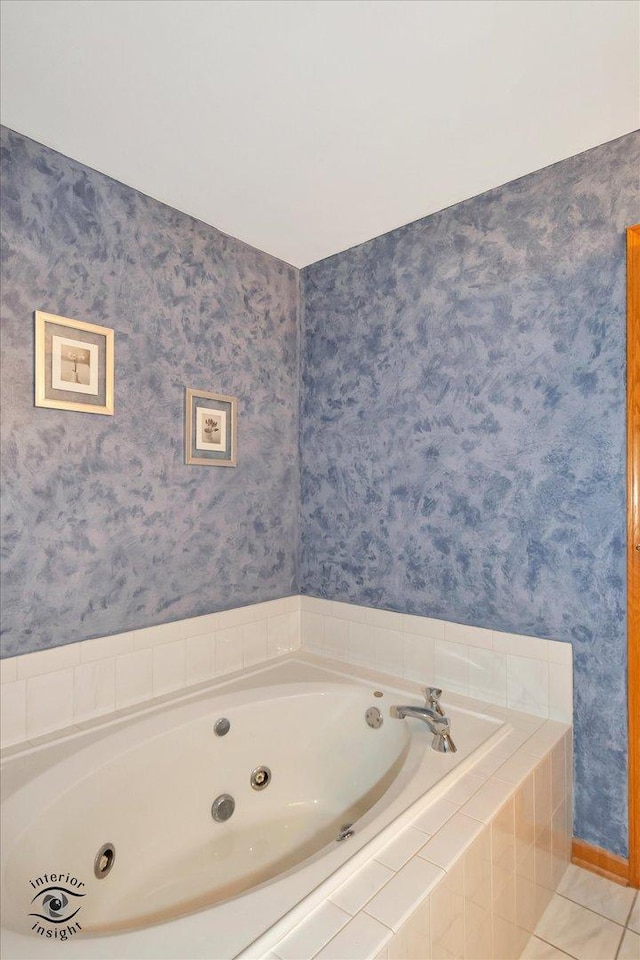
pixel 210 429
pixel 74 365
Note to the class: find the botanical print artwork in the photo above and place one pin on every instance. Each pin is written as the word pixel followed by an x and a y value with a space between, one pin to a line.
pixel 211 429
pixel 74 365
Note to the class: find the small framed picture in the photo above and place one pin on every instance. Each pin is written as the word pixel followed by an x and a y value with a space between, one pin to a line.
pixel 74 365
pixel 210 429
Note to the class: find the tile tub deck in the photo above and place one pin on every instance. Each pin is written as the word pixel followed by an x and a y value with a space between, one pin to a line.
pixel 470 876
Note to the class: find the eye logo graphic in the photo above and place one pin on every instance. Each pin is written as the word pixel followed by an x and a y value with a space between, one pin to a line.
pixel 55 904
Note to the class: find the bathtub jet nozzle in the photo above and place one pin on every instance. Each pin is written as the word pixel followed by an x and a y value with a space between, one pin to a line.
pixel 104 861
pixel 260 778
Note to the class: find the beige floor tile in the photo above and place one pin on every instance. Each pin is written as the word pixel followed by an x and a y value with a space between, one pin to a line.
pixel 589 890
pixel 539 950
pixel 579 932
pixel 630 948
pixel 634 919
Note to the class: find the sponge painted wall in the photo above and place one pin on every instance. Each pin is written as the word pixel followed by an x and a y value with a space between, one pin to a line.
pixel 461 436
pixel 103 527
pixel 463 432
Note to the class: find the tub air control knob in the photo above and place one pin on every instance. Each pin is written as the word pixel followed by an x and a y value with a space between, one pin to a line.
pixel 222 807
pixel 373 718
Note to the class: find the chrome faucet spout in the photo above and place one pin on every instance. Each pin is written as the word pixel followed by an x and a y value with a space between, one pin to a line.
pixel 429 716
pixel 439 725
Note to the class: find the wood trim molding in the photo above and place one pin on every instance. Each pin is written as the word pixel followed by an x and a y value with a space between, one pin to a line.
pixel 600 861
pixel 633 545
pixel 627 872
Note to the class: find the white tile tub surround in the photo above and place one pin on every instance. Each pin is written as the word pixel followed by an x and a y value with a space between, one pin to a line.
pixel 469 877
pixel 91 678
pixel 469 874
pixel 51 690
pixel 523 673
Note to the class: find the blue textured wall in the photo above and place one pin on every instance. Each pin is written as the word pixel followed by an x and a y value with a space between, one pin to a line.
pixel 462 435
pixel 462 441
pixel 104 528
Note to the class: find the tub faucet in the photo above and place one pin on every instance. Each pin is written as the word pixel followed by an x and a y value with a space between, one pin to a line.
pixel 439 725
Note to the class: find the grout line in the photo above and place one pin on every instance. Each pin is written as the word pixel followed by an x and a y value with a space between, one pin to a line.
pixel 602 917
pixel 591 910
pixel 624 930
pixel 554 945
pixel 620 941
pixel 626 926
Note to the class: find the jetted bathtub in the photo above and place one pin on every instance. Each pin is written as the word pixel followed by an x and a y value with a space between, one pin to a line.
pixel 111 848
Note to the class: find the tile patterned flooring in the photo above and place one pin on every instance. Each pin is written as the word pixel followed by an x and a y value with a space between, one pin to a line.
pixel 589 918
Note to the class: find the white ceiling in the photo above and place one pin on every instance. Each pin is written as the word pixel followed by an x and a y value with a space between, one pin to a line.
pixel 306 127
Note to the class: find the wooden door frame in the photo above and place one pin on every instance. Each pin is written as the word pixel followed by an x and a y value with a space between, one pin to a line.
pixel 633 545
pixel 621 869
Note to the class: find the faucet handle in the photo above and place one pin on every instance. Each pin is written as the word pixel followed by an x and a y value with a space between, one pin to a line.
pixel 432 696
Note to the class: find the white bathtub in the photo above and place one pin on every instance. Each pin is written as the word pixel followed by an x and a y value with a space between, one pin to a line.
pixel 183 885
